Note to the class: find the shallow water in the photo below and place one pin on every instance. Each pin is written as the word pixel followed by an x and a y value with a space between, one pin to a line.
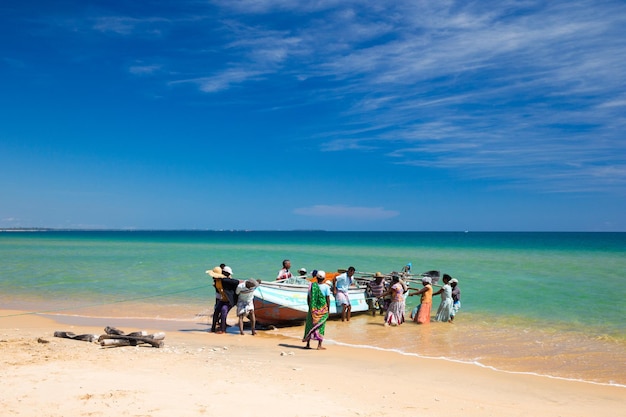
pixel 545 303
pixel 499 345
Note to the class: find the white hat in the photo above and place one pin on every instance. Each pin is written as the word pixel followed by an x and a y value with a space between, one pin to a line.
pixel 321 274
pixel 227 270
pixel 427 280
pixel 302 270
pixel 454 281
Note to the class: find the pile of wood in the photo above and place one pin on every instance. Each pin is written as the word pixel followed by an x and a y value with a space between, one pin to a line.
pixel 115 337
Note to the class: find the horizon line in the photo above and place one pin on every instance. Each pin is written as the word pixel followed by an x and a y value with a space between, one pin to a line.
pixel 55 229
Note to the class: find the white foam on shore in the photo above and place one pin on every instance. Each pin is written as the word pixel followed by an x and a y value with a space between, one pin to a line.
pixel 476 363
pixel 452 360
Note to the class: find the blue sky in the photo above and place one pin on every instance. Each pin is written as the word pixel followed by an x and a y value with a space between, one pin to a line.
pixel 337 115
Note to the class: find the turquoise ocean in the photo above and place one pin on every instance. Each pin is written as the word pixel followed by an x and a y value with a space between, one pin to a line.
pixel 544 303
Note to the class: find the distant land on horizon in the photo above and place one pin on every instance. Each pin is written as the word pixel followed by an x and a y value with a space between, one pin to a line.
pixel 53 229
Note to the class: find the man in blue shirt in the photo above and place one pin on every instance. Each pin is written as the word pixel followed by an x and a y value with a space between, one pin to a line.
pixel 341 285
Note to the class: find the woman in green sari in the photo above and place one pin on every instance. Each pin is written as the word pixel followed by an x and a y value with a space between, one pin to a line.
pixel 319 303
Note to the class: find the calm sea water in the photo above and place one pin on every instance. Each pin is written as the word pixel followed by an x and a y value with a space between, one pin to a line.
pixel 547 303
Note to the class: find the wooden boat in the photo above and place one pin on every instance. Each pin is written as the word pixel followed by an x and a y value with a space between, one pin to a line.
pixel 285 302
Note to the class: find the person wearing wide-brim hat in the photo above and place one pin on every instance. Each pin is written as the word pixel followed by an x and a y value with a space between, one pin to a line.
pixel 225 286
pixel 215 272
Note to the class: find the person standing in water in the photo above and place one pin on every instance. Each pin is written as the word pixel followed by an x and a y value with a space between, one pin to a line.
pixel 340 289
pixel 456 298
pixel 444 312
pixel 394 315
pixel 422 315
pixel 375 290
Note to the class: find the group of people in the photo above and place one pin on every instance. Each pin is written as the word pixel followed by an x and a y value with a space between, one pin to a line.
pixel 229 293
pixel 389 299
pixel 386 298
pixel 448 307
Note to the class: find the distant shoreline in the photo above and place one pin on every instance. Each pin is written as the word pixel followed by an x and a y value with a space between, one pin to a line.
pixel 52 229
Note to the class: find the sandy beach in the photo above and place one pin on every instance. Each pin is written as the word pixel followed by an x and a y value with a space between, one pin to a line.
pixel 198 373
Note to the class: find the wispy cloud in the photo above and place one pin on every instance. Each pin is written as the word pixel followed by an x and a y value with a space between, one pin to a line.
pixel 528 91
pixel 143 69
pixel 487 94
pixel 348 212
pixel 268 6
pixel 346 145
pixel 221 81
pixel 124 25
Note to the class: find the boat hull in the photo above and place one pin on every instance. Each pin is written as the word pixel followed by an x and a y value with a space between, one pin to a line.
pixel 285 304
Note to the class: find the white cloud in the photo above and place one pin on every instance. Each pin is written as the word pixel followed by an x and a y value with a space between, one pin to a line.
pixel 341 211
pixel 620 102
pixel 144 69
pixel 268 6
pixel 346 145
pixel 221 81
pixel 124 25
pixel 510 90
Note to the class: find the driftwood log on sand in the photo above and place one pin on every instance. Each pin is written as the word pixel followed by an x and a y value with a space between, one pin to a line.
pixel 131 340
pixel 116 337
pixel 74 336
